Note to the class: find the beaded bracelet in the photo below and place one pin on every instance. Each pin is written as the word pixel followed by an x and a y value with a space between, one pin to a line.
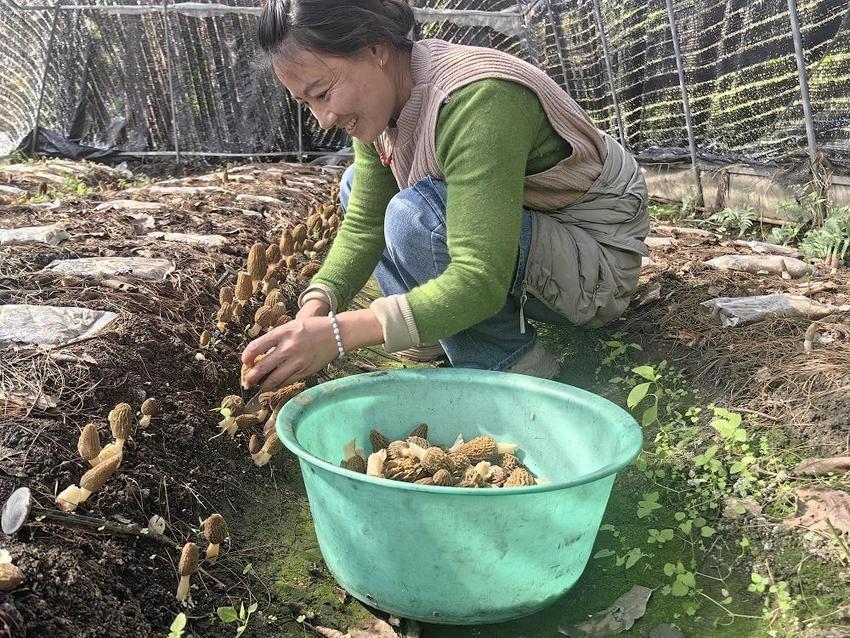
pixel 335 323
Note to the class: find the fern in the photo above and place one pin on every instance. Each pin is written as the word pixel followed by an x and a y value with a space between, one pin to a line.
pixel 740 219
pixel 830 241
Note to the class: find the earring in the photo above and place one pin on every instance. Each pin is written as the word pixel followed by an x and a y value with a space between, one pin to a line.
pixel 381 63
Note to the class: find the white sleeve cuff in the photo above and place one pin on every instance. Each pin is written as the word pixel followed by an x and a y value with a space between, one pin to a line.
pixel 318 291
pixel 397 322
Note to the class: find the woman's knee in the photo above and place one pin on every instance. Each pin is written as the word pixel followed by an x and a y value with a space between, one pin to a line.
pixel 415 214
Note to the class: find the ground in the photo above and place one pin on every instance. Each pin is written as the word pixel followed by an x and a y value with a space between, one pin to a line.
pixel 700 527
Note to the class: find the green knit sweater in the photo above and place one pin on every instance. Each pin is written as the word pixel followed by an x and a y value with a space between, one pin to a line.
pixel 490 135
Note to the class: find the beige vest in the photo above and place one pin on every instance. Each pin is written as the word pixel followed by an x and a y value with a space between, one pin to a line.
pixel 438 69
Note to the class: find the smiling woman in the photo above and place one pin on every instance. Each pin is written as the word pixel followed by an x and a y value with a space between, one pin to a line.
pixel 481 195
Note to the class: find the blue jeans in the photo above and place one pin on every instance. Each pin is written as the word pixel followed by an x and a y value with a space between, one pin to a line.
pixel 416 252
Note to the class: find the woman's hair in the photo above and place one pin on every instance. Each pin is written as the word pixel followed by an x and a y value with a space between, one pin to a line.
pixel 335 27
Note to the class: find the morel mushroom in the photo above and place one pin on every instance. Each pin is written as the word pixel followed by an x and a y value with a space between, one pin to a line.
pixel 520 477
pixel 273 254
pixel 299 233
pixel 405 469
pixel 271 447
pixel 188 566
pixel 120 420
pixel 420 430
pixel 354 458
pixel 10 577
pixel 224 316
pixel 485 448
pixel 149 407
pixel 378 440
pixel 96 477
pixel 262 320
pixel 205 339
pixel 471 478
pixel 244 287
pixel 257 264
pixel 69 498
pixel 89 444
pixel 320 245
pixel 254 446
pixel 443 478
pixel 215 532
pixel 307 272
pixel 225 295
pixel 274 297
pixel 286 243
pixel 291 262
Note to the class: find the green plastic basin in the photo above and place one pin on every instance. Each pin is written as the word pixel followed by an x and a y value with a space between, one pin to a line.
pixel 459 555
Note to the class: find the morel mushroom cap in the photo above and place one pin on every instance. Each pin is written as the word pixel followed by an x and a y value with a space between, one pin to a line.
pixel 10 577
pixel 378 440
pixel 253 445
pixel 286 243
pixel 497 476
pixel 274 297
pixel 246 421
pixel 418 440
pixel 299 233
pixel 460 463
pixel 428 480
pixel 263 316
pixel 307 272
pixel 355 464
pixel 225 313
pixel 443 478
pixel 188 565
pixel 481 448
pixel 509 462
pixel 434 460
pixel 273 254
pixel 234 403
pixel 215 531
pixel 120 420
pixel 405 469
pixel 244 287
pixel 520 477
pixel 257 262
pixel 205 339
pixel 471 478
pixel 225 295
pixel 397 450
pixel 149 408
pixel 291 262
pixel 96 477
pixel 89 444
pixel 320 245
pixel 420 430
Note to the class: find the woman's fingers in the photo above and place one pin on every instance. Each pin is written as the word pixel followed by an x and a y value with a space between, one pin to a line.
pixel 259 346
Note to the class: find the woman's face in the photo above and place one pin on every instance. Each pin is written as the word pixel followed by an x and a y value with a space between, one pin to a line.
pixel 354 93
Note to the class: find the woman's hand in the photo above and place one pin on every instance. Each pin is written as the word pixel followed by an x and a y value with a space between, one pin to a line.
pixel 301 347
pixel 313 308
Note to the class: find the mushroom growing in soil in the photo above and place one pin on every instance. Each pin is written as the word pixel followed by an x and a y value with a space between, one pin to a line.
pixel 149 407
pixel 271 447
pixel 257 265
pixel 262 320
pixel 68 499
pixel 231 407
pixel 89 444
pixel 286 243
pixel 96 477
pixel 307 272
pixel 120 420
pixel 205 339
pixel 188 566
pixel 215 532
pixel 10 577
pixel 225 295
pixel 244 287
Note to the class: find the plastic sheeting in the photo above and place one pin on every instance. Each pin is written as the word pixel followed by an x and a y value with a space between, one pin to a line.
pixel 50 325
pixel 52 234
pixel 138 267
pixel 738 311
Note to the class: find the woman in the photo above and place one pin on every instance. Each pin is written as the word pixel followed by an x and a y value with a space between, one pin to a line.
pixel 481 195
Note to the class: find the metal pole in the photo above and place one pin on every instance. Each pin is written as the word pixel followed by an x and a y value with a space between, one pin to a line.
pixel 300 133
pixel 557 33
pixel 804 81
pixel 174 126
pixel 47 56
pixel 680 65
pixel 610 68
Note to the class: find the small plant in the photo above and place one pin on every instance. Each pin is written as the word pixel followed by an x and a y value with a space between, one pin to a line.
pixel 735 219
pixel 784 235
pixel 650 388
pixel 689 206
pixel 831 241
pixel 241 618
pixel 177 626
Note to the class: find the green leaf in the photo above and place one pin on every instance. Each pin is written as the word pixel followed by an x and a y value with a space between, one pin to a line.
pixel 604 553
pixel 634 556
pixel 179 622
pixel 679 589
pixel 252 608
pixel 637 394
pixel 227 614
pixel 650 415
pixel 647 372
pixel 607 527
pixel 247 568
pixel 688 579
pixel 679 516
pixel 707 531
pixel 686 526
pixel 669 569
pixel 241 611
